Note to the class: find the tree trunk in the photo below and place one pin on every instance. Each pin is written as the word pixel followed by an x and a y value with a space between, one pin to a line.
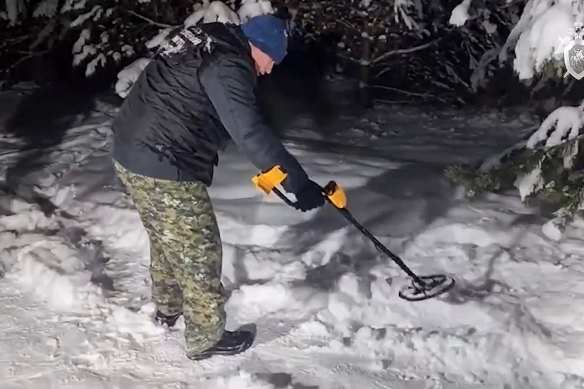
pixel 364 74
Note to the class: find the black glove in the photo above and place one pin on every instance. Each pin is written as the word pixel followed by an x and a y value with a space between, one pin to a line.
pixel 309 197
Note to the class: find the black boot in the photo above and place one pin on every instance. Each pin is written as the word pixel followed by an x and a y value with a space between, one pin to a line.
pixel 169 320
pixel 231 343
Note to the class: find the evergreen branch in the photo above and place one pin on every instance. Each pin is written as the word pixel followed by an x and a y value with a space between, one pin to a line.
pixel 561 185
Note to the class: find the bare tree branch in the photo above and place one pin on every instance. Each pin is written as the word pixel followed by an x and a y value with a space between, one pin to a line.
pixel 164 25
pixel 28 55
pixel 17 39
pixel 403 91
pixel 347 24
pixel 388 54
pixel 393 101
pixel 381 72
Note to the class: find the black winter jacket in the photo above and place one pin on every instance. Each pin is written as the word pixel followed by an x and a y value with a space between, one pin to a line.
pixel 195 95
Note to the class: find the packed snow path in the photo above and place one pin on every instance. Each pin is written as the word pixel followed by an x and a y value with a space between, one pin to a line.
pixel 74 297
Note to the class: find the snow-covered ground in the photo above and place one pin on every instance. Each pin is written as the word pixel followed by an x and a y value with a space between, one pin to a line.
pixel 74 298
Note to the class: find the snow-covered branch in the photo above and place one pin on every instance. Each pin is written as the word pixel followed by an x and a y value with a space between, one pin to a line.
pixel 251 8
pixel 128 76
pixel 562 125
pixel 536 37
pixel 546 166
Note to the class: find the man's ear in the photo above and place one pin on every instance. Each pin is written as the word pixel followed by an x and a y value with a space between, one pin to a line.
pixel 253 49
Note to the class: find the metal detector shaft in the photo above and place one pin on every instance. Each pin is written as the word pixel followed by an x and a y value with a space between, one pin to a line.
pixel 364 231
pixel 284 198
pixel 380 246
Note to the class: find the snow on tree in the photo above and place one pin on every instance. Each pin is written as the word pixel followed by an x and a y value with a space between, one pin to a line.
pixel 536 36
pixel 159 38
pixel 215 11
pixel 405 10
pixel 407 47
pixel 14 8
pixel 46 8
pixel 128 76
pixel 206 12
pixel 460 15
pixel 548 167
pixel 107 33
pixel 251 8
pixel 103 38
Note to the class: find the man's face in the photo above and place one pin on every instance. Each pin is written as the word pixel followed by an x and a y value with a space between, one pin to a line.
pixel 263 62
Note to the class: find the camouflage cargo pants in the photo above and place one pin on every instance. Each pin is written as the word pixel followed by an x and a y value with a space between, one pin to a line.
pixel 185 253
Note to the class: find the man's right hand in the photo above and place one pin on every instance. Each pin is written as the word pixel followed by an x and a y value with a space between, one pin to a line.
pixel 310 196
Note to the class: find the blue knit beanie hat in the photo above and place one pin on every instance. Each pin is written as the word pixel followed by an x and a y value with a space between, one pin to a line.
pixel 267 33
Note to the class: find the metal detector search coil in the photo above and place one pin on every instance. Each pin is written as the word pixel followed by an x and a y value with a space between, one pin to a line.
pixel 421 288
